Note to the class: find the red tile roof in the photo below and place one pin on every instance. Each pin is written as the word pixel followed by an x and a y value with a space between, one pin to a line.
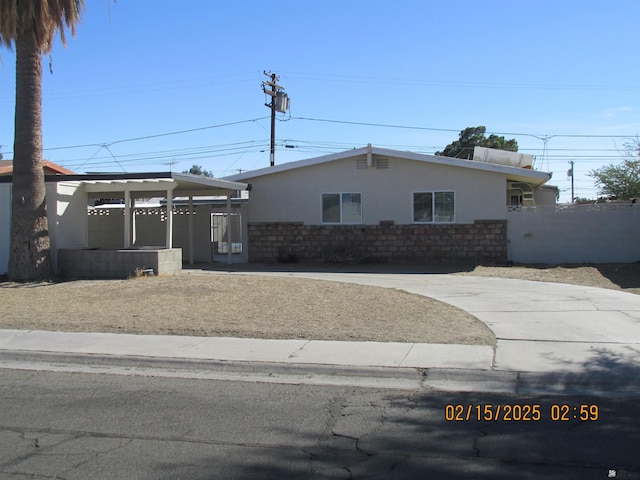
pixel 50 168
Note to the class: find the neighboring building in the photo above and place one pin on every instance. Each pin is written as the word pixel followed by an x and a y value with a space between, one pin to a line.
pixel 386 205
pixel 50 168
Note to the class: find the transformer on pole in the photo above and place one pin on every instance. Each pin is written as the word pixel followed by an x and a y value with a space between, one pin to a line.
pixel 279 103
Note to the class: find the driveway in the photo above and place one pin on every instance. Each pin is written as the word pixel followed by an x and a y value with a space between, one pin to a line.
pixel 540 327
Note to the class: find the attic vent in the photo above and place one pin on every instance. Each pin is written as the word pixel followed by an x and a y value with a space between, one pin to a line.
pixel 382 163
pixel 361 163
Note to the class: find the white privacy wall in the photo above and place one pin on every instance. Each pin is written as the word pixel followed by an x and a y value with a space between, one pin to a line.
pixel 575 234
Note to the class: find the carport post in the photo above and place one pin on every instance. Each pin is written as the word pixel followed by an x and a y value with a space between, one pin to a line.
pixel 133 220
pixel 169 226
pixel 190 229
pixel 127 218
pixel 229 247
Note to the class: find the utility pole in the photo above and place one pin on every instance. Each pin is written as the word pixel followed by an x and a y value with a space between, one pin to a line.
pixel 279 103
pixel 570 173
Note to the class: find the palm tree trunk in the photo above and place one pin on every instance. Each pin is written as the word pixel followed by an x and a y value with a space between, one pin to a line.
pixel 29 251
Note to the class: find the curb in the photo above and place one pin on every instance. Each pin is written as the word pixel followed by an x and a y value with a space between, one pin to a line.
pixel 598 384
pixel 377 376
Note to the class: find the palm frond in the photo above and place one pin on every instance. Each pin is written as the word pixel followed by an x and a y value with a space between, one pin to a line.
pixel 40 18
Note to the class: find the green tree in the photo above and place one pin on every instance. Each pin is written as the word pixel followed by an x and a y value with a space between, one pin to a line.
pixel 31 26
pixel 198 170
pixel 475 137
pixel 623 180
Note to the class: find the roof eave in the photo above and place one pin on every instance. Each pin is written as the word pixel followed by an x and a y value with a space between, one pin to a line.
pixel 522 174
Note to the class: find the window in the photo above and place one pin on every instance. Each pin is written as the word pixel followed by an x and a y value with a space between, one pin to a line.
pixel 341 208
pixel 433 207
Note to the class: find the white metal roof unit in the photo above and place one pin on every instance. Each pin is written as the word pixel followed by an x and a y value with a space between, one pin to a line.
pixel 502 157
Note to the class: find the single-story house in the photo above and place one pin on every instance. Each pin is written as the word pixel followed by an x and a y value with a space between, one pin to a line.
pixel 363 204
pixel 386 205
pixel 68 210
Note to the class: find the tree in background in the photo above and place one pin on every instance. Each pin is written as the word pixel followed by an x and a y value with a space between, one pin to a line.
pixel 475 137
pixel 621 181
pixel 31 26
pixel 198 170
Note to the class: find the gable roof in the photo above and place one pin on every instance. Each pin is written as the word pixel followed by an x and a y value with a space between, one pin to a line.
pixel 50 168
pixel 513 173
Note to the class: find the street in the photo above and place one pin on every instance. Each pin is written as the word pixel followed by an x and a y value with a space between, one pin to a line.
pixel 79 426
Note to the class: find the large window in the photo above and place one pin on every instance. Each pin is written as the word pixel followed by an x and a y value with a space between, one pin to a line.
pixel 341 208
pixel 434 207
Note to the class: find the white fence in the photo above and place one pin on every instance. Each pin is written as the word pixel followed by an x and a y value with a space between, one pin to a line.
pixel 557 234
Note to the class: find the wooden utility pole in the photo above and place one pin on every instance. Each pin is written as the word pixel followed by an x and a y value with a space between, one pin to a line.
pixel 279 103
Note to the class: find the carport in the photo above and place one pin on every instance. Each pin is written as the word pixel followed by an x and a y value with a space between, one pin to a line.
pixel 130 187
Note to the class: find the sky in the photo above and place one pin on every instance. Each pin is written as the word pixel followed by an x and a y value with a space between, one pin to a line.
pixel 159 85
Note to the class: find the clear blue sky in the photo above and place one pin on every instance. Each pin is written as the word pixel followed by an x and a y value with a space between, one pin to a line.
pixel 565 70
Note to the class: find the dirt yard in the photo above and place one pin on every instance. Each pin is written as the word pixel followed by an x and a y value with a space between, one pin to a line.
pixel 625 277
pixel 214 304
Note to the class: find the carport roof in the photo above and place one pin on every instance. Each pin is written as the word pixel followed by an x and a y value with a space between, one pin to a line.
pixel 181 184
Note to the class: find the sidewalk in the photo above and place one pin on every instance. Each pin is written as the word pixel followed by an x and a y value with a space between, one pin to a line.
pixel 552 338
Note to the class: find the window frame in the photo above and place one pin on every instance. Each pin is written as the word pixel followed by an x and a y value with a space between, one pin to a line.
pixel 341 208
pixel 433 207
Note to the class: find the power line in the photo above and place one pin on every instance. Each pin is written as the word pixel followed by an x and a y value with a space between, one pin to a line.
pixel 413 127
pixel 448 83
pixel 158 135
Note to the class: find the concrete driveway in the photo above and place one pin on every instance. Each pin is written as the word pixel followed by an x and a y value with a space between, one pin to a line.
pixel 540 327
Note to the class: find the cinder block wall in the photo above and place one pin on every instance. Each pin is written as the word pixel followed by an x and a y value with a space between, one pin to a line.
pixel 89 263
pixel 482 241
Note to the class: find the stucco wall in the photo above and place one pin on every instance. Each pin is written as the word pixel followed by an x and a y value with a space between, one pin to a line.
pixel 387 194
pixel 5 226
pixel 575 234
pixel 545 196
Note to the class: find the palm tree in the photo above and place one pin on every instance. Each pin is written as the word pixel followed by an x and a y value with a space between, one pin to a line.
pixel 31 25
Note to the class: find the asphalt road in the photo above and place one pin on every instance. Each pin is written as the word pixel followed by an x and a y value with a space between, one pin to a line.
pixel 79 426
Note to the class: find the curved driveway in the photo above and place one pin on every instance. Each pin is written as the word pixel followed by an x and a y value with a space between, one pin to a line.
pixel 540 327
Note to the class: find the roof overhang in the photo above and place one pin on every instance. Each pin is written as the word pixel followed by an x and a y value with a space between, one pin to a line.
pixel 114 185
pixel 513 173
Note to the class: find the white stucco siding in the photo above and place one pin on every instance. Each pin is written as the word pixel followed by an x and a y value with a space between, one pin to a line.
pixel 5 226
pixel 66 216
pixel 545 196
pixel 71 215
pixel 387 194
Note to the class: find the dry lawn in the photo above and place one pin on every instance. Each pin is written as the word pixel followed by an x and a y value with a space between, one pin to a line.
pixel 619 276
pixel 214 304
pixel 240 306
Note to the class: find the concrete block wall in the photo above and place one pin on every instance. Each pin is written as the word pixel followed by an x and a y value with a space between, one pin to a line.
pixel 96 263
pixel 482 241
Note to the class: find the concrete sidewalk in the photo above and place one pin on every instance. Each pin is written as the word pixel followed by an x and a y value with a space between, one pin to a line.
pixel 552 338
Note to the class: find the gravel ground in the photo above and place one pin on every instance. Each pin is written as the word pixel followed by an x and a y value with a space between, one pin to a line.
pixel 214 304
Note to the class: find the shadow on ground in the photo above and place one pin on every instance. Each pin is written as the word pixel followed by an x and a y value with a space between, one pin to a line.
pixel 625 275
pixel 428 434
pixel 382 268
